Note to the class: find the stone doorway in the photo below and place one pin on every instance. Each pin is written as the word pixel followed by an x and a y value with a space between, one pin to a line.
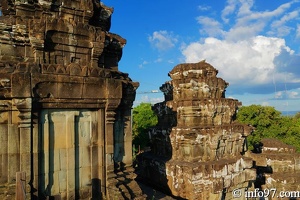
pixel 70 154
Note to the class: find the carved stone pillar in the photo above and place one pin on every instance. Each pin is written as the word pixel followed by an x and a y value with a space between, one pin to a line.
pixel 24 107
pixel 5 127
pixel 127 159
pixel 129 91
pixel 109 143
pixel 109 140
pixel 99 154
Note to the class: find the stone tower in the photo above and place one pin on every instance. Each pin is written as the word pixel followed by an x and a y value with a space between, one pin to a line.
pixel 65 108
pixel 207 145
pixel 201 151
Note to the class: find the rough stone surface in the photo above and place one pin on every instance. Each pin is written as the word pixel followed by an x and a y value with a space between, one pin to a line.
pixel 65 108
pixel 207 145
pixel 197 148
pixel 199 151
pixel 278 167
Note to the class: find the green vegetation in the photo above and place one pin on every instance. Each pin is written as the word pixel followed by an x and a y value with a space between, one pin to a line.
pixel 269 123
pixel 143 119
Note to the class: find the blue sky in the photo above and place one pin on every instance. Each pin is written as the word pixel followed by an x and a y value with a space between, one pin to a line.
pixel 255 45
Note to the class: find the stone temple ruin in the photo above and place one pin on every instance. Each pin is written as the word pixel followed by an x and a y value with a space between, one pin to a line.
pixel 65 109
pixel 199 151
pixel 204 155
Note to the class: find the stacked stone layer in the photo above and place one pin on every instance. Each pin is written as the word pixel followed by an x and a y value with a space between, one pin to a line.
pixel 207 144
pixel 279 166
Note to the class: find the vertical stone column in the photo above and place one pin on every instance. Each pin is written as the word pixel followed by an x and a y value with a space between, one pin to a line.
pixel 35 152
pixel 101 150
pixel 127 159
pixel 24 106
pixel 118 139
pixel 5 123
pixel 109 140
pixel 72 156
pixel 97 150
pixel 129 91
pixel 109 145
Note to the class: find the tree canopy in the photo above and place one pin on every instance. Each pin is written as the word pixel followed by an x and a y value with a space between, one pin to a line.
pixel 269 123
pixel 143 119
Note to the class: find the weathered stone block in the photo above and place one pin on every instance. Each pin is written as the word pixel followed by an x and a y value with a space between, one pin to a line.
pixel 21 85
pixel 63 159
pixel 85 157
pixel 93 87
pixel 62 175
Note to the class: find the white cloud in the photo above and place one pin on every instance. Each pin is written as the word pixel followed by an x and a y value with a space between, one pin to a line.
pixel 243 62
pixel 246 15
pixel 285 18
pixel 163 40
pixel 142 65
pixel 293 94
pixel 210 26
pixel 298 31
pixel 158 60
pixel 229 9
pixel 203 8
pixel 280 28
pixel 265 103
pixel 147 99
pixel 279 95
pixel 249 23
pixel 243 32
pixel 245 7
pixel 242 54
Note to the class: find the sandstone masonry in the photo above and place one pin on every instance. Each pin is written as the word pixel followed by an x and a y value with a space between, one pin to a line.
pixel 199 151
pixel 65 108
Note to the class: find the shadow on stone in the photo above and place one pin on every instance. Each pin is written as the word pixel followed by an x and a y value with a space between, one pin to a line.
pixel 151 165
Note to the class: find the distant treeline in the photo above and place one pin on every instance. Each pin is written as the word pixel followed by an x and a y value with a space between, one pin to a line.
pixel 270 123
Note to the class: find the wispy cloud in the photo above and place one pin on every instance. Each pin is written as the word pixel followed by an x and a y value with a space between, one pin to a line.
pixel 293 95
pixel 204 8
pixel 229 9
pixel 148 99
pixel 298 31
pixel 283 95
pixel 280 28
pixel 158 60
pixel 142 65
pixel 279 94
pixel 210 26
pixel 284 19
pixel 250 23
pixel 163 40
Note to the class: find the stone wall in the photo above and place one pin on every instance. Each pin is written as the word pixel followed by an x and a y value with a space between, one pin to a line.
pixel 65 107
pixel 278 167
